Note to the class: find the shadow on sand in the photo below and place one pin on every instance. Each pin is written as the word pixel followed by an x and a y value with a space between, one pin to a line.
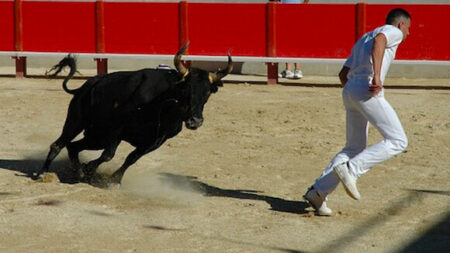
pixel 27 167
pixel 191 183
pixel 62 169
pixel 67 175
pixel 436 239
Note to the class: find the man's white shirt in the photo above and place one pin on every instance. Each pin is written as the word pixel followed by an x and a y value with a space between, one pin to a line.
pixel 360 60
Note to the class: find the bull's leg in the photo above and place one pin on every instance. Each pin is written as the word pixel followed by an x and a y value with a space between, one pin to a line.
pixel 130 160
pixel 117 176
pixel 69 132
pixel 73 149
pixel 133 157
pixel 55 148
pixel 107 154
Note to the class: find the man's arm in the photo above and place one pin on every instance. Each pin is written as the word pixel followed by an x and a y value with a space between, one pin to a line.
pixel 343 75
pixel 379 45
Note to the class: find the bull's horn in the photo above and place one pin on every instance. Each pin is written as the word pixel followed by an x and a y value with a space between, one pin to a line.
pixel 222 73
pixel 177 60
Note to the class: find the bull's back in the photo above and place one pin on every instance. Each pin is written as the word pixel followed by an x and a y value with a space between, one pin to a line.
pixel 125 89
pixel 126 85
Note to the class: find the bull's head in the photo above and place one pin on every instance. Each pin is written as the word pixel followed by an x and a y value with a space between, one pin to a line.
pixel 199 84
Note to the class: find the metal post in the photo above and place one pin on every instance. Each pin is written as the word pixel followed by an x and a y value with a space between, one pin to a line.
pixel 272 67
pixel 102 64
pixel 361 14
pixel 21 66
pixel 183 28
pixel 183 25
pixel 21 61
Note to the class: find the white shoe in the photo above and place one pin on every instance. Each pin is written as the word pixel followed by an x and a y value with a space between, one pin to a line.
pixel 313 198
pixel 286 74
pixel 347 179
pixel 289 74
pixel 298 74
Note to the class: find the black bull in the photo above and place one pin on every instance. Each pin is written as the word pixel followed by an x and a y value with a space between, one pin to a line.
pixel 143 108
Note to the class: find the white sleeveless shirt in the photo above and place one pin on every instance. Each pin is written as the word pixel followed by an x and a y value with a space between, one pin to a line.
pixel 360 60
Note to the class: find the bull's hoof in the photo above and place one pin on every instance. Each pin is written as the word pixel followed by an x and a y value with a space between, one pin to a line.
pixel 97 180
pixel 86 174
pixel 35 175
pixel 48 178
pixel 116 178
pixel 38 175
pixel 84 179
pixel 86 170
pixel 113 186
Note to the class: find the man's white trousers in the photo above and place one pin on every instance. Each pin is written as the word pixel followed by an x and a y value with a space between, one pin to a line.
pixel 362 109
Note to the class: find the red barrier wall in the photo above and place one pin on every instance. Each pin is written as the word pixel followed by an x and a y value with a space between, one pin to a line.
pixel 59 26
pixel 141 28
pixel 429 37
pixel 213 29
pixel 7 26
pixel 309 30
pixel 283 30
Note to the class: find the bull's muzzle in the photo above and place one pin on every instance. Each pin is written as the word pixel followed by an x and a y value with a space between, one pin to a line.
pixel 194 123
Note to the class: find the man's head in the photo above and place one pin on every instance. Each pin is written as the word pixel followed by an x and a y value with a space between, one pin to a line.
pixel 401 19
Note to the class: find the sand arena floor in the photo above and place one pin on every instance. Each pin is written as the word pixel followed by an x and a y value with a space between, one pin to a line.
pixel 235 184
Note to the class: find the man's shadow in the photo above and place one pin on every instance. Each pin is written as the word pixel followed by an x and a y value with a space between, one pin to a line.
pixel 191 183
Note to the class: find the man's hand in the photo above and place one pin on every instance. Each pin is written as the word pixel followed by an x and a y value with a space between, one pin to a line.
pixel 375 87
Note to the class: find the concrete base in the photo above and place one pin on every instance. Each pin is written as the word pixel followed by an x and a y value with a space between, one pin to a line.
pixel 419 70
pixel 398 69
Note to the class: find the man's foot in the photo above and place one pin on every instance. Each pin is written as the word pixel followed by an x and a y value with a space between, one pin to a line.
pixel 298 74
pixel 313 198
pixel 347 179
pixel 286 74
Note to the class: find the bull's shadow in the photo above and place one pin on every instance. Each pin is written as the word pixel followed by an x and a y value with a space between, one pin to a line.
pixel 27 167
pixel 65 173
pixel 191 183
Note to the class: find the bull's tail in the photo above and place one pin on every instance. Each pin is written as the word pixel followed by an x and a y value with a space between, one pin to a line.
pixel 68 61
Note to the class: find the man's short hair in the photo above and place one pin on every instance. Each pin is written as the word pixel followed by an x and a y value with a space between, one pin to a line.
pixel 395 14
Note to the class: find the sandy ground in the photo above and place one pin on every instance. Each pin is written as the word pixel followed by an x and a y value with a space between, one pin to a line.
pixel 235 184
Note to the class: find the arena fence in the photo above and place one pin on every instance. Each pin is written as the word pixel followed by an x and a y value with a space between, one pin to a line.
pixel 269 33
